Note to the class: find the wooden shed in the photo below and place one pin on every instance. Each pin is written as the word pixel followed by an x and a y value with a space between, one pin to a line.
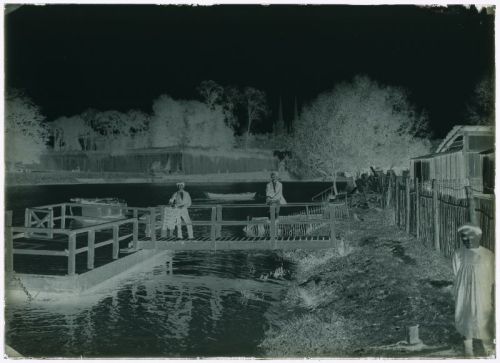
pixel 460 157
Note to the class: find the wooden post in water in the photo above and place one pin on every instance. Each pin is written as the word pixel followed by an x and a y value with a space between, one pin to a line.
pixel 135 233
pixel 91 251
pixel 213 224
pixel 116 243
pixel 408 204
pixel 9 243
pixel 218 230
pixel 71 254
pixel 435 213
pixel 417 207
pixel 471 206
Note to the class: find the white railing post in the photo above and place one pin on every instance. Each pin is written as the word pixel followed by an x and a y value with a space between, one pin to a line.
pixel 91 251
pixel 9 247
pixel 116 242
pixel 71 254
pixel 213 221
pixel 272 227
pixel 135 233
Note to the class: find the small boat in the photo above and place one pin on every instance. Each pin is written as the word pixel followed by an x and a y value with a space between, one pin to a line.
pixel 231 196
pixel 101 208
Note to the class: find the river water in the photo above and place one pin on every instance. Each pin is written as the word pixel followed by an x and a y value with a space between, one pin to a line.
pixel 217 303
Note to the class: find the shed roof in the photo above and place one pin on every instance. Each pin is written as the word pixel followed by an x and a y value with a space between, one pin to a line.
pixel 460 130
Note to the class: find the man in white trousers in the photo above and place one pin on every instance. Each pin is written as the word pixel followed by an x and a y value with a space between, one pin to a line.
pixel 181 200
pixel 274 193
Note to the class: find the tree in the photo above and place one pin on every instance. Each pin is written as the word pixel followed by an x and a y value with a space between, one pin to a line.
pixel 356 126
pixel 481 107
pixel 188 124
pixel 256 105
pixel 25 133
pixel 231 101
pixel 71 133
pixel 167 127
pixel 211 93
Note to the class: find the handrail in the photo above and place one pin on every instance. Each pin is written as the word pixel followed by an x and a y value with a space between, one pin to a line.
pixel 322 193
pixel 72 251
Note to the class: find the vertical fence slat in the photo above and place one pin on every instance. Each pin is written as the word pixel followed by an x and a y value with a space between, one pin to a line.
pixel 407 201
pixel 435 207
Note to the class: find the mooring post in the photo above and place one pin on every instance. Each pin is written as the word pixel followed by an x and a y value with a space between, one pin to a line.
pixel 219 219
pixel 135 233
pixel 408 204
pixel 91 251
pixel 435 209
pixel 9 247
pixel 71 253
pixel 471 206
pixel 213 220
pixel 272 227
pixel 417 207
pixel 116 242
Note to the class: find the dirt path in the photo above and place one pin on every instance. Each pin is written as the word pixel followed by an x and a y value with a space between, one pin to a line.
pixel 359 301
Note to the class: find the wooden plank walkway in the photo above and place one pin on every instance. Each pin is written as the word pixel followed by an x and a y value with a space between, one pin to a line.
pixel 238 243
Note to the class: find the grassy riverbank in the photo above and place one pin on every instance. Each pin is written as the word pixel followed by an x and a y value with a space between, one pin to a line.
pixel 358 301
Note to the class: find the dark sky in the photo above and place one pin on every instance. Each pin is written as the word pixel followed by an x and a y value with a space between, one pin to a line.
pixel 72 57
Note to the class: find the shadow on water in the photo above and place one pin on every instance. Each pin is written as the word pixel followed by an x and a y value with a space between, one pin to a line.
pixel 213 305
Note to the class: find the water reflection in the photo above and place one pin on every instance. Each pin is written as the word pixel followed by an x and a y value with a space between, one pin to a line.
pixel 213 305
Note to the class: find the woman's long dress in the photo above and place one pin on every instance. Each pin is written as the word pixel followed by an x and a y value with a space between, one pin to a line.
pixel 474 278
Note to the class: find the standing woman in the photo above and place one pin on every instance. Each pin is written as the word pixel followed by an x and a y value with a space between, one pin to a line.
pixel 182 201
pixel 473 267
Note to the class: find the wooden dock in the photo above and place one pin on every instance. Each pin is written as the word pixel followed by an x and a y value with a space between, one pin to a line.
pixel 106 247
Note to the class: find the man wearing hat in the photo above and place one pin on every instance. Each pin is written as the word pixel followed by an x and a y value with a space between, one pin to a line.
pixel 274 193
pixel 473 267
pixel 182 201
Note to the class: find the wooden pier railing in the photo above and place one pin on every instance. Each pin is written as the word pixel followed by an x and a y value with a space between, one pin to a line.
pixel 13 233
pixel 297 221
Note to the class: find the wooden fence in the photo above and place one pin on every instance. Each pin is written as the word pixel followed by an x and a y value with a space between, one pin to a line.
pixel 433 211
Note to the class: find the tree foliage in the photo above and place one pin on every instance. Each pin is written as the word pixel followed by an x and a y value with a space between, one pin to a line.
pixel 481 107
pixel 25 133
pixel 188 124
pixel 256 106
pixel 71 133
pixel 355 126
